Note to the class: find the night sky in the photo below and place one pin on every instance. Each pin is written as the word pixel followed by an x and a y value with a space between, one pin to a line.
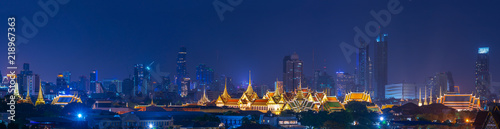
pixel 111 36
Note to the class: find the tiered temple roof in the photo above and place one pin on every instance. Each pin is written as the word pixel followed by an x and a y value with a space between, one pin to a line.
pixel 460 101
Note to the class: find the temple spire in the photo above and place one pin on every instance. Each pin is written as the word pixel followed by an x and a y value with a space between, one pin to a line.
pixel 419 96
pixel 249 88
pixel 425 95
pixel 40 100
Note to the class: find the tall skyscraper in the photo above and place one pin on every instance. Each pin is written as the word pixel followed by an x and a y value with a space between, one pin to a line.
pixel 326 83
pixel 344 82
pixel 22 78
pixel 93 81
pixel 142 79
pixel 128 87
pixel 362 73
pixel 61 84
pixel 292 74
pixel 83 83
pixel 181 66
pixel 440 84
pixel 205 76
pixel 380 66
pixel 482 73
pixel 67 76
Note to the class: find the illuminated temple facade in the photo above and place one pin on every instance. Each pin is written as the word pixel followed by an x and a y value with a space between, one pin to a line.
pixel 460 101
pixel 299 100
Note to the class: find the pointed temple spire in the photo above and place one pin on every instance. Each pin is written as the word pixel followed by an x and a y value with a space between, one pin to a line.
pixel 39 100
pixel 249 88
pixel 225 94
pixel 419 96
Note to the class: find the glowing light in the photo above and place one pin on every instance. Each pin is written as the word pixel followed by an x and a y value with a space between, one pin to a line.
pixel 467 120
pixel 150 125
pixel 148 68
pixel 484 50
pixel 79 115
pixel 381 118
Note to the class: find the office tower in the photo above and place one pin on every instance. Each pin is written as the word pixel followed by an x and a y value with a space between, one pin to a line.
pixel 205 76
pixel 326 83
pixel 184 88
pixel 401 91
pixel 278 86
pixel 380 65
pixel 450 83
pixel 29 82
pixel 344 82
pixel 67 76
pixel 83 84
pixel 93 81
pixel 292 74
pixel 362 72
pixel 37 83
pixel 22 78
pixel 112 85
pixel 61 84
pixel 181 66
pixel 165 82
pixel 440 84
pixel 128 87
pixel 482 73
pixel 142 79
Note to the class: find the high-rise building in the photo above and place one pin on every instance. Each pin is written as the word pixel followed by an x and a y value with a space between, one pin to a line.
pixel 278 86
pixel 181 67
pixel 184 88
pixel 440 84
pixel 93 81
pixel 61 84
pixel 83 83
pixel 362 73
pixel 344 82
pixel 142 79
pixel 482 73
pixel 205 76
pixel 67 76
pixel 128 87
pixel 112 85
pixel 326 83
pixel 292 75
pixel 22 78
pixel 401 91
pixel 380 66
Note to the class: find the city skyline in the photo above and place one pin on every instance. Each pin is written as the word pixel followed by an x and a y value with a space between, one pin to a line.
pixel 431 46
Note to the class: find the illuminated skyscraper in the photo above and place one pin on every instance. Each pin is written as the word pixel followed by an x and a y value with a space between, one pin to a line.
pixel 482 73
pixel 93 81
pixel 380 64
pixel 205 76
pixel 61 84
pixel 292 73
pixel 67 76
pixel 22 79
pixel 362 73
pixel 141 79
pixel 181 67
pixel 344 82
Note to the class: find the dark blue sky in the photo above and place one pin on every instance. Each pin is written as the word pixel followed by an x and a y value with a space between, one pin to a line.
pixel 112 36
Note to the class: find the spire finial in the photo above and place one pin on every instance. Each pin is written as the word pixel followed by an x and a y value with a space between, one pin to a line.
pixel 249 77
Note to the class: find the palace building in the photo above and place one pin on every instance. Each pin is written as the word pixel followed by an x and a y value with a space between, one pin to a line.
pixel 460 101
pixel 299 100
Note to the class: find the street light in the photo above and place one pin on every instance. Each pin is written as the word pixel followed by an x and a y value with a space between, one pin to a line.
pixel 79 115
pixel 381 118
pixel 150 125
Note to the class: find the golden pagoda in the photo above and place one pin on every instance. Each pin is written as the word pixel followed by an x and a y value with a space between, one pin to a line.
pixel 204 99
pixel 39 100
pixel 224 97
pixel 28 98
